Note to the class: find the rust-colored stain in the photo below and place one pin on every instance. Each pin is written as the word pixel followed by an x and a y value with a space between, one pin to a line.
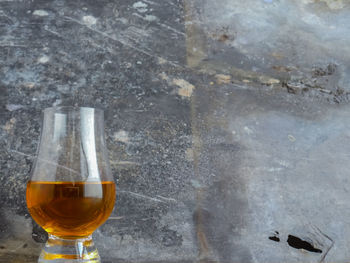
pixel 282 68
pixel 186 88
pixel 223 79
pixel 202 239
pixel 223 38
pixel 9 125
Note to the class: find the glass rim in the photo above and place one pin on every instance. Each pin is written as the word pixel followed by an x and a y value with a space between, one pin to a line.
pixel 70 109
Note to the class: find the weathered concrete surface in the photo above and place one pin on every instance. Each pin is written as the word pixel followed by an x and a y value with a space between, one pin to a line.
pixel 265 165
pixel 301 46
pixel 225 121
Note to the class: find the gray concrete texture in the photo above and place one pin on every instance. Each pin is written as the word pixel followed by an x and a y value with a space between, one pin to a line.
pixel 226 123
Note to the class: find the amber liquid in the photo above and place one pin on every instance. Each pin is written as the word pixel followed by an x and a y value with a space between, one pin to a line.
pixel 70 210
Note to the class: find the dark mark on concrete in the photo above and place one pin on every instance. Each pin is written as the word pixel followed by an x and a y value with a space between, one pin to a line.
pixel 275 237
pixel 298 243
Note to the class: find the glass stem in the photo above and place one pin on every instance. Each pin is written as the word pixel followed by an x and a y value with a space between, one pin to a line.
pixel 69 251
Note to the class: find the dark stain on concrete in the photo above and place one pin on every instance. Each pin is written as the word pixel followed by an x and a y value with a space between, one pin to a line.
pixel 298 243
pixel 275 237
pixel 222 202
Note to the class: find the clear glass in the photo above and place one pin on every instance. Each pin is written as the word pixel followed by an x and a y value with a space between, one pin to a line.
pixel 71 191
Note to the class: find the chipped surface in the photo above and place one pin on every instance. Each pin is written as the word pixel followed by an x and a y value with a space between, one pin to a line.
pixel 140 7
pixel 43 59
pixel 258 41
pixel 40 13
pixel 9 125
pixel 121 136
pixel 89 20
pixel 222 79
pixel 186 88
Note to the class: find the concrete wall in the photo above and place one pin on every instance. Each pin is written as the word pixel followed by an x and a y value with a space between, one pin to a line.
pixel 226 124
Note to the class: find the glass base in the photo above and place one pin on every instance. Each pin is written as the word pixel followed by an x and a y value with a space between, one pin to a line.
pixel 69 251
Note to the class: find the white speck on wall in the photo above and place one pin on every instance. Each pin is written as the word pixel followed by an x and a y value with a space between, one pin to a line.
pixel 40 13
pixel 43 59
pixel 139 4
pixel 196 184
pixel 140 7
pixel 161 61
pixel 274 169
pixel 150 18
pixel 284 163
pixel 291 138
pixel 121 136
pixel 248 130
pixel 89 20
pixel 186 88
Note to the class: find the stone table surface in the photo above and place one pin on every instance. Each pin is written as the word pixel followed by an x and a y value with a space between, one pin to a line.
pixel 226 123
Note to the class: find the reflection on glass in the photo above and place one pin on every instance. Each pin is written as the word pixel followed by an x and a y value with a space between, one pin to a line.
pixel 71 191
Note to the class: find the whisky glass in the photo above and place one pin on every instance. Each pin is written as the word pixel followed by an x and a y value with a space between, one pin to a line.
pixel 71 191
